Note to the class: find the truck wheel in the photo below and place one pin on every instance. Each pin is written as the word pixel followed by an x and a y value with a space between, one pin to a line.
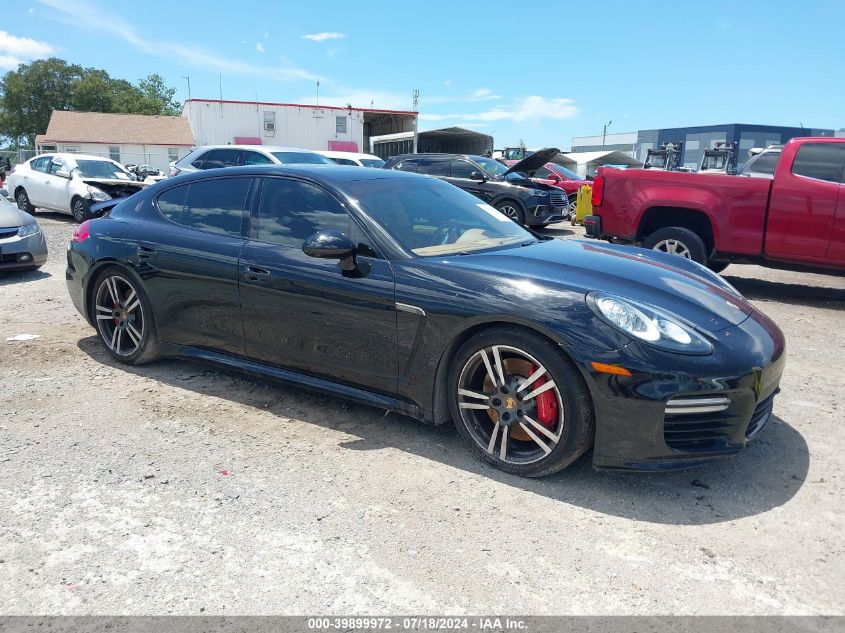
pixel 677 240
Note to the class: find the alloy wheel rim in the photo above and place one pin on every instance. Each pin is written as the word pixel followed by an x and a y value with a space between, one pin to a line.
pixel 510 211
pixel 120 315
pixel 673 247
pixel 22 200
pixel 78 211
pixel 498 398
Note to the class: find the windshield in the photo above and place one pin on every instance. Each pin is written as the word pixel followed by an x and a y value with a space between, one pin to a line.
pixel 372 162
pixel 430 217
pixel 308 158
pixel 563 171
pixel 714 161
pixel 492 167
pixel 101 169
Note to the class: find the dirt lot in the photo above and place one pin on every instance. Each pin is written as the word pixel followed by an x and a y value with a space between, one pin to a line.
pixel 175 488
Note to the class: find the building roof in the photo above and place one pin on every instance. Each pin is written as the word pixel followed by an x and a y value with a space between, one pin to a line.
pixel 301 105
pixel 116 129
pixel 605 157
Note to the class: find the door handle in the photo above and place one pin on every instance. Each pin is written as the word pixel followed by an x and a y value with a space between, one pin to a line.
pixel 254 273
pixel 145 252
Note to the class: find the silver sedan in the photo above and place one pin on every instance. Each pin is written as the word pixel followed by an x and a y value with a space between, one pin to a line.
pixel 22 244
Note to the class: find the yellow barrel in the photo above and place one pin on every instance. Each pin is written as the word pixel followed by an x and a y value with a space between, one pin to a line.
pixel 583 205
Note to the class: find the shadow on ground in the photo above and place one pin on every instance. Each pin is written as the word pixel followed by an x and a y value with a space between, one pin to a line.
pixel 765 476
pixel 21 277
pixel 796 294
pixel 556 230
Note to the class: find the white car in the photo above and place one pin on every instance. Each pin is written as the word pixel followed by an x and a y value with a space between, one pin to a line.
pixel 217 156
pixel 353 158
pixel 69 183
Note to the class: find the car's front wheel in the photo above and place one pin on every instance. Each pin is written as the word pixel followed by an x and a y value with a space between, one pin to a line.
pixel 512 210
pixel 79 208
pixel 22 200
pixel 519 403
pixel 124 317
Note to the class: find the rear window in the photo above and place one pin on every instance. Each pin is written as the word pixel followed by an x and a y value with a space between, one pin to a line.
pixel 372 162
pixel 302 158
pixel 822 161
pixel 765 164
pixel 254 158
pixel 215 205
pixel 217 158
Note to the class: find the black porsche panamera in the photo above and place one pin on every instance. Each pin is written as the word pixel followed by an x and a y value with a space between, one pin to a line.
pixel 404 292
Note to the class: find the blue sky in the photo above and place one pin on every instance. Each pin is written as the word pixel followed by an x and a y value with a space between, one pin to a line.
pixel 542 72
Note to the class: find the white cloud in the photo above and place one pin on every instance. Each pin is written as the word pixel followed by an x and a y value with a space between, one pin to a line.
pixel 266 35
pixel 259 47
pixel 10 62
pixel 483 94
pixel 99 19
pixel 522 109
pixel 23 47
pixel 324 36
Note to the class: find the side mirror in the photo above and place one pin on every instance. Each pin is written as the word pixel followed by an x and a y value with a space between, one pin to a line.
pixel 554 177
pixel 477 175
pixel 331 245
pixel 63 173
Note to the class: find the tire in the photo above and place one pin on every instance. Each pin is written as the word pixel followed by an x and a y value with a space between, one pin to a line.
pixel 80 209
pixel 123 317
pixel 679 241
pixel 22 199
pixel 572 200
pixel 482 412
pixel 512 210
pixel 718 267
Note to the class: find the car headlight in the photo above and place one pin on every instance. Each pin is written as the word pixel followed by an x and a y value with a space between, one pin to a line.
pixel 648 324
pixel 28 229
pixel 539 193
pixel 97 194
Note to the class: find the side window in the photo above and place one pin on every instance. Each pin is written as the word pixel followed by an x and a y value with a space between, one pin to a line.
pixel 822 161
pixel 462 169
pixel 434 167
pixel 200 162
pixel 542 172
pixel 218 158
pixel 290 211
pixel 765 164
pixel 214 205
pixel 407 165
pixel 254 158
pixel 41 164
pixel 345 161
pixel 54 167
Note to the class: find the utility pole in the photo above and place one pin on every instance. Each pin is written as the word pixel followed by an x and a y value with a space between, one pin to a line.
pixel 188 78
pixel 604 132
pixel 318 93
pixel 416 109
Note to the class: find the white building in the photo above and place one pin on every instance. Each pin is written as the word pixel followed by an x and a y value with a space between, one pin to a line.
pixel 619 141
pixel 127 138
pixel 216 122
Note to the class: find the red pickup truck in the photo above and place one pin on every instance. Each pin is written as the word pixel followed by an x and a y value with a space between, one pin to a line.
pixel 796 220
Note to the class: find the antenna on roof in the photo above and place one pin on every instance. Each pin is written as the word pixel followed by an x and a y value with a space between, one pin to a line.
pixel 415 107
pixel 318 92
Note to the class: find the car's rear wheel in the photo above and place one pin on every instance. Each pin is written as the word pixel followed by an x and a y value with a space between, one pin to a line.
pixel 123 317
pixel 22 200
pixel 79 207
pixel 679 241
pixel 512 210
pixel 519 403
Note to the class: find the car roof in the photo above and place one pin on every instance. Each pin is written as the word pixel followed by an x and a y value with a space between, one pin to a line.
pixel 264 148
pixel 332 175
pixel 437 155
pixel 336 154
pixel 73 156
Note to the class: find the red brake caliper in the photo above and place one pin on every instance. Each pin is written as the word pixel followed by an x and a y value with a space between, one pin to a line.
pixel 546 403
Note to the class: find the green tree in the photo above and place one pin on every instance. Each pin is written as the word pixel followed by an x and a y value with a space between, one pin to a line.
pixel 29 95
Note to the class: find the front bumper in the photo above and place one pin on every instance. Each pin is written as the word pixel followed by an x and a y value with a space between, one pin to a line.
pixel 543 214
pixel 23 253
pixel 645 421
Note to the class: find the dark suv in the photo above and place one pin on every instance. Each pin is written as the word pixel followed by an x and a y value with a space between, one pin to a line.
pixel 507 189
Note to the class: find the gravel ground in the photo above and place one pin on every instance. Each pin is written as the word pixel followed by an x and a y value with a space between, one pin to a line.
pixel 176 488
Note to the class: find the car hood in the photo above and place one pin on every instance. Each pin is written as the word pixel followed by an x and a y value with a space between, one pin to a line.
pixel 10 216
pixel 97 182
pixel 667 282
pixel 535 161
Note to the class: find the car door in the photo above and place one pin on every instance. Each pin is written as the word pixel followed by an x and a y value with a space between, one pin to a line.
pixel 836 247
pixel 35 181
pixel 189 261
pixel 304 313
pixel 460 170
pixel 803 202
pixel 57 188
